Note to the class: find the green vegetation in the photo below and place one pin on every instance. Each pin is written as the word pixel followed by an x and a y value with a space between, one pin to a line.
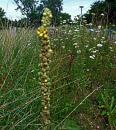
pixel 2 17
pixel 72 89
pixel 102 12
pixel 83 80
pixel 33 9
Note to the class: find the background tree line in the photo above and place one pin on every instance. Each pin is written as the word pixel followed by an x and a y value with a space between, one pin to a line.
pixel 101 12
pixel 32 10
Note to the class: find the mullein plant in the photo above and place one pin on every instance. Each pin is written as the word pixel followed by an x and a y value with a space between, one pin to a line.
pixel 45 58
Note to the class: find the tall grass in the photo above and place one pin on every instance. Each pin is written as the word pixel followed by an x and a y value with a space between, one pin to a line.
pixel 83 71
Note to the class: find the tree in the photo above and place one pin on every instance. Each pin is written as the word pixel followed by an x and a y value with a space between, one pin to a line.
pixel 29 8
pixel 2 17
pixel 104 12
pixel 2 13
pixel 64 17
pixel 26 6
pixel 111 11
pixel 33 9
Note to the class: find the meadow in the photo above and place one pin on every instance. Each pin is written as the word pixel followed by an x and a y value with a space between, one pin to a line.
pixel 83 79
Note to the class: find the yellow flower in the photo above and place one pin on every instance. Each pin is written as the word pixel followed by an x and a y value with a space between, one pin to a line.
pixel 45 32
pixel 45 36
pixel 50 16
pixel 41 35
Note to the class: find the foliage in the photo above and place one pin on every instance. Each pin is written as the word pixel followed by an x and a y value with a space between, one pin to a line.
pixel 70 125
pixel 27 7
pixel 83 61
pixel 102 12
pixel 2 17
pixel 107 104
pixel 2 13
pixel 33 9
pixel 64 17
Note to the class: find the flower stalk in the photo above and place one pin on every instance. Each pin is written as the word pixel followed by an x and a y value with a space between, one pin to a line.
pixel 45 58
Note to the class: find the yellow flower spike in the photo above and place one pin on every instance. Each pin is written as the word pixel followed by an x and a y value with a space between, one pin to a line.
pixel 45 58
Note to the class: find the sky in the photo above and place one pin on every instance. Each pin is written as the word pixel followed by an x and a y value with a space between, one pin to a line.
pixel 69 6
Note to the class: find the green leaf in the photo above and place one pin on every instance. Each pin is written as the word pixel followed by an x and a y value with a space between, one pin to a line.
pixel 112 103
pixel 102 106
pixel 103 113
pixel 70 125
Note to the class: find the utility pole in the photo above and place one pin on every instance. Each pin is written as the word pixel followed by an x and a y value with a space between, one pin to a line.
pixel 81 7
